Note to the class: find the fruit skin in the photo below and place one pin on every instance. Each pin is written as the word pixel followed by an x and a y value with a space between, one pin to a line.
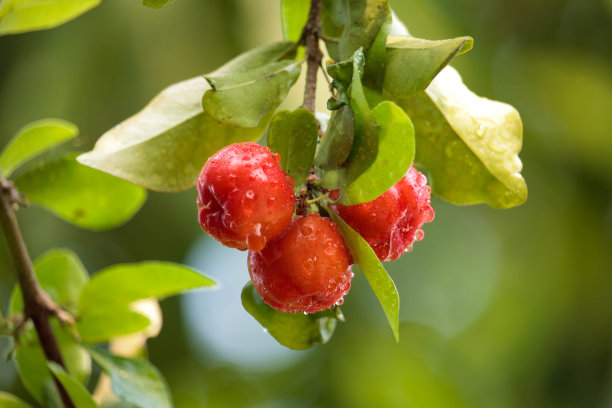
pixel 244 196
pixel 392 222
pixel 305 269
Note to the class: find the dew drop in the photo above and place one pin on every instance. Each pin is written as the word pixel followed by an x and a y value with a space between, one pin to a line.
pixel 255 240
pixel 265 330
pixel 340 302
pixel 496 146
pixel 306 230
pixel 250 194
pixel 481 131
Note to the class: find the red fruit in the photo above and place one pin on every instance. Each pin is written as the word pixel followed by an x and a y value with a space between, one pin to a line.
pixel 392 222
pixel 305 269
pixel 244 197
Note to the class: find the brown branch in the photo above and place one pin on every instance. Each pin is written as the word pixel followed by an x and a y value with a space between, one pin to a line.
pixel 37 304
pixel 310 36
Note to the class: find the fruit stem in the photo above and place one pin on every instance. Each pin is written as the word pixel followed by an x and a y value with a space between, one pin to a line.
pixel 319 198
pixel 310 37
pixel 37 305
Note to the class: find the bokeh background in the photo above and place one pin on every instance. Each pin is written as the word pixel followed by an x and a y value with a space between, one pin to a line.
pixel 507 308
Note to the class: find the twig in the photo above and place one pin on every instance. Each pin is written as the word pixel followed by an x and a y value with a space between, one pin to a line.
pixel 310 36
pixel 37 304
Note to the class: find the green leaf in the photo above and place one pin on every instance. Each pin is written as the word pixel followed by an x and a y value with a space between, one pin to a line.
pixel 20 16
pixel 376 56
pixel 134 380
pixel 119 285
pixel 469 144
pixel 294 136
pixel 99 326
pixel 34 139
pixel 156 3
pixel 77 393
pixel 412 63
pixel 342 72
pixel 365 143
pixel 395 155
pixel 251 60
pixel 80 195
pixel 32 364
pixel 375 273
pixel 295 331
pixel 334 17
pixel 61 275
pixel 366 17
pixel 164 146
pixel 294 14
pixel 10 401
pixel 338 139
pixel 252 85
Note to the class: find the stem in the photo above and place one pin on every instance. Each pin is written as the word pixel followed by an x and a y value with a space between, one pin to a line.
pixel 319 198
pixel 37 304
pixel 310 36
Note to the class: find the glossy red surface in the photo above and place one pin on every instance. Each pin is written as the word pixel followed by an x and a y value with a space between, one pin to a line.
pixel 392 222
pixel 244 197
pixel 305 269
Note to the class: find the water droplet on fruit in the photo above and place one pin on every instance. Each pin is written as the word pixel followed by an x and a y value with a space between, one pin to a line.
pixel 305 313
pixel 419 234
pixel 255 240
pixel 340 302
pixel 305 229
pixel 250 194
pixel 329 249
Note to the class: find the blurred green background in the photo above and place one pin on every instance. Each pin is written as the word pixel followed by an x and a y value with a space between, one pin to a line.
pixel 500 309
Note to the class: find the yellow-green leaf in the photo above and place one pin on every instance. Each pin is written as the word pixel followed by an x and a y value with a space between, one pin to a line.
pixel 32 140
pixel 20 16
pixel 469 144
pixel 81 195
pixel 164 146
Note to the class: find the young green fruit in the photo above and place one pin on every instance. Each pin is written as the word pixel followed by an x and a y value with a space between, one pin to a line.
pixel 244 197
pixel 305 269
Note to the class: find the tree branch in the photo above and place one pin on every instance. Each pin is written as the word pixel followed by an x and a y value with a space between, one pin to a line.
pixel 37 304
pixel 310 36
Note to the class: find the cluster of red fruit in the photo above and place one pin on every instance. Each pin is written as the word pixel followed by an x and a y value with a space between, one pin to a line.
pixel 300 263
